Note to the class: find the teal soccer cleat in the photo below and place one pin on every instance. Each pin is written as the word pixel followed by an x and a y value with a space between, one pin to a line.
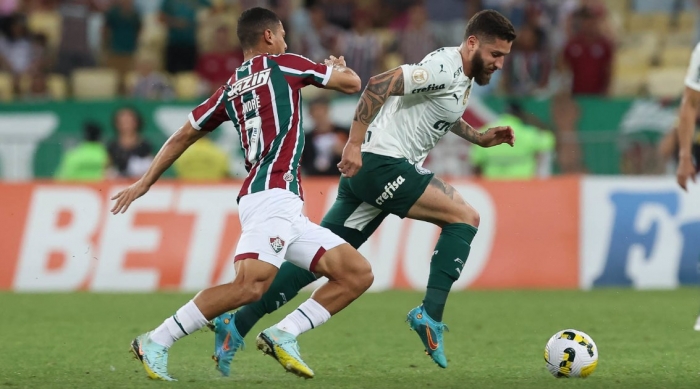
pixel 153 357
pixel 227 341
pixel 430 332
pixel 283 346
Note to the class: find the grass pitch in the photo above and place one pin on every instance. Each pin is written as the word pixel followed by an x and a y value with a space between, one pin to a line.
pixel 497 338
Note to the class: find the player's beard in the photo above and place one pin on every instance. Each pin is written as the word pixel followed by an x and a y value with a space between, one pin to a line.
pixel 479 72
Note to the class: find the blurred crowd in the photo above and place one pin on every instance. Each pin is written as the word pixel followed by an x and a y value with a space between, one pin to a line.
pixel 170 49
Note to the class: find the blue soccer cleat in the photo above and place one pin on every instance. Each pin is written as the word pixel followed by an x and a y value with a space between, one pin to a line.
pixel 227 341
pixel 283 346
pixel 430 332
pixel 153 357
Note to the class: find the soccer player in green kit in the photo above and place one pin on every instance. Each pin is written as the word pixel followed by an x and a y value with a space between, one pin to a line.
pixel 401 115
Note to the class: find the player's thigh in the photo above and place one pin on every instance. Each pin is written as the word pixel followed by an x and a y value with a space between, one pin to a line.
pixel 391 185
pixel 312 243
pixel 269 223
pixel 351 218
pixel 441 204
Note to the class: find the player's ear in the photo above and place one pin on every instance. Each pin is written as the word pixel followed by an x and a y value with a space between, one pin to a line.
pixel 472 43
pixel 267 35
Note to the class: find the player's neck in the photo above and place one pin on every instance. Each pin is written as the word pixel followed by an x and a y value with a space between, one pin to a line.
pixel 466 63
pixel 254 52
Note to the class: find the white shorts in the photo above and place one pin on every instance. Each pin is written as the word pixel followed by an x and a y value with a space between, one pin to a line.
pixel 274 230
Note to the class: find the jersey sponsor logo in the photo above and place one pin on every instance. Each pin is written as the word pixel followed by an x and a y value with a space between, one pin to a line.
pixel 419 76
pixel 389 190
pixel 248 83
pixel 428 88
pixel 277 244
pixel 457 73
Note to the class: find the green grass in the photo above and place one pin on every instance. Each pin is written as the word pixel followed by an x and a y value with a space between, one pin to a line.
pixel 645 340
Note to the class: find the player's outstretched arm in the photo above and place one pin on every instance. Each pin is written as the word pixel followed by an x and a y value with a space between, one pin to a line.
pixel 171 150
pixel 492 137
pixel 343 79
pixel 686 128
pixel 378 89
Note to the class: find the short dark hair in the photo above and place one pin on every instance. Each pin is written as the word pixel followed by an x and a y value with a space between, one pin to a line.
pixel 489 24
pixel 92 131
pixel 252 23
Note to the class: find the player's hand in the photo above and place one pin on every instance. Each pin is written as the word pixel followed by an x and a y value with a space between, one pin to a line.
pixel 333 61
pixel 351 161
pixel 127 196
pixel 498 135
pixel 685 170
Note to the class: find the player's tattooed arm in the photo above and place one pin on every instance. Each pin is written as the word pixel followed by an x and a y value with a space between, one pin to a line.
pixel 462 129
pixel 379 88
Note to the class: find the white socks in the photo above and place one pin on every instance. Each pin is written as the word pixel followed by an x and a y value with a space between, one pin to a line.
pixel 309 315
pixel 185 321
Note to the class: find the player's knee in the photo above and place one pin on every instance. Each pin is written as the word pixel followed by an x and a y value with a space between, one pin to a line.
pixel 363 276
pixel 249 290
pixel 466 214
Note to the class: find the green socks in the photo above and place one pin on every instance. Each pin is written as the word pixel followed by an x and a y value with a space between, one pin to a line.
pixel 448 260
pixel 289 281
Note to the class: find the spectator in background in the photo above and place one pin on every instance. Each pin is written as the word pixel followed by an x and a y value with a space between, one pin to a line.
pixel 129 154
pixel 122 27
pixel 521 162
pixel 216 67
pixel 362 47
pixel 180 19
pixel 319 39
pixel 588 56
pixel 324 144
pixel 74 49
pixel 150 84
pixel 203 161
pixel 448 19
pixel 18 55
pixel 527 68
pixel 416 38
pixel 87 161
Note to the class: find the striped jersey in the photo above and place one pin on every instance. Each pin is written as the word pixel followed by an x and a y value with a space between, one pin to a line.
pixel 263 100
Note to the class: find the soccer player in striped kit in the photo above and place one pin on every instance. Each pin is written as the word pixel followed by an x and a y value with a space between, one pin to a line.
pixel 263 100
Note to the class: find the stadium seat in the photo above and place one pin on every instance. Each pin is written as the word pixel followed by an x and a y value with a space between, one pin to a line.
pixel 57 86
pixel 686 22
pixel 48 24
pixel 186 85
pixel 632 58
pixel 644 41
pixel 653 21
pixel 7 92
pixel 629 82
pixel 675 56
pixel 666 82
pixel 94 83
pixel 683 39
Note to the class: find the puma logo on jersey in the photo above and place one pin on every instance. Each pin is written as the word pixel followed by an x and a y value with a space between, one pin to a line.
pixel 456 97
pixel 389 190
pixel 428 88
pixel 248 83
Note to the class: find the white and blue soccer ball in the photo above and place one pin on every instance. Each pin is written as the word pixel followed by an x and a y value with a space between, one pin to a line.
pixel 571 353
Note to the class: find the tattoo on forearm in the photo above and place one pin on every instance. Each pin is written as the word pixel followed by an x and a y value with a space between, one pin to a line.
pixel 464 130
pixel 443 186
pixel 380 87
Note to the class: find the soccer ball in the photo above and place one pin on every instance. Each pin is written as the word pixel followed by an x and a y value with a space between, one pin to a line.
pixel 571 353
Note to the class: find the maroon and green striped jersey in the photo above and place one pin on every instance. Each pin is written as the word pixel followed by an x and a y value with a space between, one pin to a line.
pixel 263 100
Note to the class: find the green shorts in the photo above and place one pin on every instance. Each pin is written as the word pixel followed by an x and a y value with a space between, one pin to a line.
pixel 383 186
